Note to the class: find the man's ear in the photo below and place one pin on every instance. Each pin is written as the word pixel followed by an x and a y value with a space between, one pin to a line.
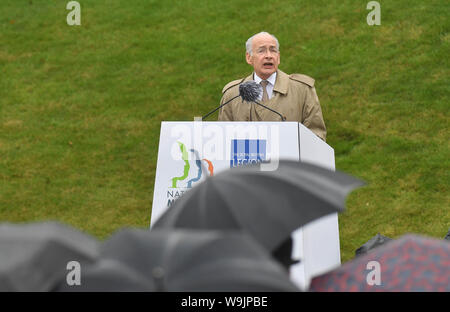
pixel 248 58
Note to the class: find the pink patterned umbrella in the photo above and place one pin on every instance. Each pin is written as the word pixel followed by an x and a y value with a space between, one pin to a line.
pixel 410 263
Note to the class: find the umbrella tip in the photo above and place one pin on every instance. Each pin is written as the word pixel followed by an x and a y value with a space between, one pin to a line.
pixel 158 274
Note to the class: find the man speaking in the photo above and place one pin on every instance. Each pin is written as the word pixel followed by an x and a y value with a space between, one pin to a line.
pixel 293 96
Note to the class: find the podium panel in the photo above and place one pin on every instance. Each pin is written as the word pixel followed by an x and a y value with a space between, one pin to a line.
pixel 190 151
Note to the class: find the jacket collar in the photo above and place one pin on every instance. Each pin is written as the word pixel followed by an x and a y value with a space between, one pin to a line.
pixel 281 84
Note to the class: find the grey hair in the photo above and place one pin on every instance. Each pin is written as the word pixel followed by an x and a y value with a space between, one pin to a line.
pixel 248 44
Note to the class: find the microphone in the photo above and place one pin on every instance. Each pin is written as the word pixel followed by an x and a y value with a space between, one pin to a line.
pixel 250 92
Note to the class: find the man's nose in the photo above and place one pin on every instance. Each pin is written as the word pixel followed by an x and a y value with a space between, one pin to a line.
pixel 268 54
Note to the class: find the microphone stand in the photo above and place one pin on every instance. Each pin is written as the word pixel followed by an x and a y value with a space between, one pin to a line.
pixel 282 117
pixel 213 111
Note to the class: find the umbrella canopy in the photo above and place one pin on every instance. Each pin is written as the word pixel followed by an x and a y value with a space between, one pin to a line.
pixel 269 205
pixel 186 260
pixel 34 257
pixel 410 263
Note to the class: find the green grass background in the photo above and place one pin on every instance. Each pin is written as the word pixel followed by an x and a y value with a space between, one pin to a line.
pixel 81 106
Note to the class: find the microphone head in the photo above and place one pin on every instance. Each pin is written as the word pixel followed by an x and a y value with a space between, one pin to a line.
pixel 250 91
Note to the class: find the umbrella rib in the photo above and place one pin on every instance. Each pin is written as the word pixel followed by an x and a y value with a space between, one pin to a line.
pixel 223 197
pixel 202 194
pixel 238 219
pixel 170 247
pixel 185 197
pixel 242 184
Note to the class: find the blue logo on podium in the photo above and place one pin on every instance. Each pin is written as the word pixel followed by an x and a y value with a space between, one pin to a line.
pixel 247 152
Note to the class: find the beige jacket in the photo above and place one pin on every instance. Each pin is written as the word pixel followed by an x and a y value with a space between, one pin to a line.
pixel 294 96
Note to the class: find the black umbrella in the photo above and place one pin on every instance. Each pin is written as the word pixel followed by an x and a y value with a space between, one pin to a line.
pixel 267 204
pixel 187 260
pixel 374 242
pixel 34 257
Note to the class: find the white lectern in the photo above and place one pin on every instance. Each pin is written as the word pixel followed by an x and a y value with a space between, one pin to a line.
pixel 190 151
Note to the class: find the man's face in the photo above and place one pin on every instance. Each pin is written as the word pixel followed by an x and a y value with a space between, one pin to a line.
pixel 265 56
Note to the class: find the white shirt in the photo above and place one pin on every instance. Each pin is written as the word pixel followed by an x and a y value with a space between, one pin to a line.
pixel 270 85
